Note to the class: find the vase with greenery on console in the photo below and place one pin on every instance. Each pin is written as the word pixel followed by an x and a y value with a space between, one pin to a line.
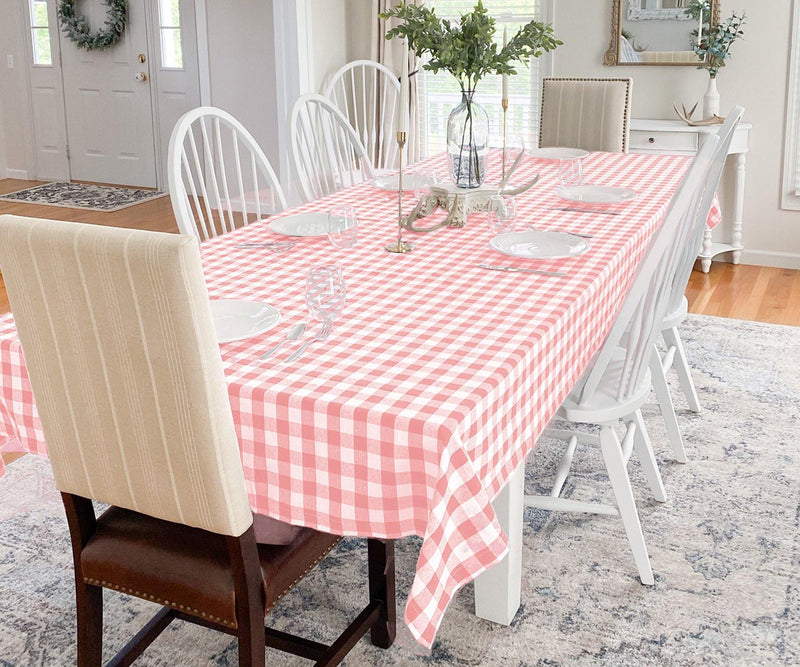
pixel 712 44
pixel 467 49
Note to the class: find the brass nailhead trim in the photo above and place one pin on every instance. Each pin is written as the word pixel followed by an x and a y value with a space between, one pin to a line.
pixel 310 567
pixel 166 603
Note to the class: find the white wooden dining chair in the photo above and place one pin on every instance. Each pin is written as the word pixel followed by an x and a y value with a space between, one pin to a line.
pixel 219 177
pixel 326 151
pixel 618 383
pixel 592 114
pixel 367 93
pixel 678 305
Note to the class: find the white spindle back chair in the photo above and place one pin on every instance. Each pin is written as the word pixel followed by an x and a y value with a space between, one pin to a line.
pixel 368 93
pixel 618 383
pixel 219 178
pixel 678 307
pixel 326 151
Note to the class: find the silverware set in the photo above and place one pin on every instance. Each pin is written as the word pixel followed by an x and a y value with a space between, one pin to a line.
pixel 294 334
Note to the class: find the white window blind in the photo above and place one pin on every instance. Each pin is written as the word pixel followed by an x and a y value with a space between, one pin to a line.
pixel 439 93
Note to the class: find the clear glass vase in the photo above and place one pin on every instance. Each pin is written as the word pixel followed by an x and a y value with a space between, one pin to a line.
pixel 468 141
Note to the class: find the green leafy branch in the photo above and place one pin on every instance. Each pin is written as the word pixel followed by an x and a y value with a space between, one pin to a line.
pixel 714 44
pixel 467 48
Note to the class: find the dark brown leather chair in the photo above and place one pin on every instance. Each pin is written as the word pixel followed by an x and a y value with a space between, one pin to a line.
pixel 122 356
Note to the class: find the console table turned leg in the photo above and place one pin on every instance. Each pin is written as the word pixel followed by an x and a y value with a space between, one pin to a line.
pixel 738 206
pixel 705 253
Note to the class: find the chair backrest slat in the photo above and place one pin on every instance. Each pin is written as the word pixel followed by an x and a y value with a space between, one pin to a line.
pixel 367 93
pixel 326 151
pixel 643 309
pixel 217 178
pixel 125 367
pixel 689 250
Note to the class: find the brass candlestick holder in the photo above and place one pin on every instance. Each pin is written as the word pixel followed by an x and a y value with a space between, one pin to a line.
pixel 504 104
pixel 400 246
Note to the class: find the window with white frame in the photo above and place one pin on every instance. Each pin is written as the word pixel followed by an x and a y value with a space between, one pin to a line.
pixel 40 33
pixel 169 30
pixel 439 93
pixel 791 169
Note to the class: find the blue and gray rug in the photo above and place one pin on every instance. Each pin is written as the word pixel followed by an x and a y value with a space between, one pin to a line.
pixel 106 198
pixel 725 549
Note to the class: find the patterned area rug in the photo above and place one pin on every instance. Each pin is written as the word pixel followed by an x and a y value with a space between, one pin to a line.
pixel 725 549
pixel 83 195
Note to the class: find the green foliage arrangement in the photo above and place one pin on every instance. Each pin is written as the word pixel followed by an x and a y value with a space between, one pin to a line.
pixel 76 27
pixel 467 48
pixel 714 44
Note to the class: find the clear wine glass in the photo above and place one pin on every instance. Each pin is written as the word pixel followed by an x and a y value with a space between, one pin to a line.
pixel 570 172
pixel 325 292
pixel 502 214
pixel 343 227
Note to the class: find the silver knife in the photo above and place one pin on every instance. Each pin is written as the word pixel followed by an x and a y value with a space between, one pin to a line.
pixel 563 231
pixel 518 269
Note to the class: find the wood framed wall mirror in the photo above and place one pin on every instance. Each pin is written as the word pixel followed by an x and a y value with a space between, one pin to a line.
pixel 655 32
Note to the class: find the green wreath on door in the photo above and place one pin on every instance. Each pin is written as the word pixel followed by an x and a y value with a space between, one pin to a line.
pixel 76 27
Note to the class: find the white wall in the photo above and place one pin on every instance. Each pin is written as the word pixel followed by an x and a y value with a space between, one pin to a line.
pixel 16 127
pixel 755 77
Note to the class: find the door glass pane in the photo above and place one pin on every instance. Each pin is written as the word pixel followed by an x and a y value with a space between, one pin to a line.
pixel 41 46
pixel 171 48
pixel 39 14
pixel 170 13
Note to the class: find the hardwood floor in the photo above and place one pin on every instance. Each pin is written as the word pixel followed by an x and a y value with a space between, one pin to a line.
pixel 744 292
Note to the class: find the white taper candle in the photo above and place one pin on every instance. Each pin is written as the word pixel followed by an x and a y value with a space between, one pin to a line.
pixel 505 76
pixel 700 29
pixel 402 119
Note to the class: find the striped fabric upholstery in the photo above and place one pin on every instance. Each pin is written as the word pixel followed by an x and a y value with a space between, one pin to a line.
pixel 592 114
pixel 120 347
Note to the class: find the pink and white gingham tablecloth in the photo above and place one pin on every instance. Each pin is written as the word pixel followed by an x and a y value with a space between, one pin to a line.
pixel 436 381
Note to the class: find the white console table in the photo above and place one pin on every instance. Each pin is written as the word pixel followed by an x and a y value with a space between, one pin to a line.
pixel 675 136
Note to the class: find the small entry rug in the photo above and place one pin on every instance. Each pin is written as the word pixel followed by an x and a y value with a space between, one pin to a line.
pixel 83 195
pixel 725 549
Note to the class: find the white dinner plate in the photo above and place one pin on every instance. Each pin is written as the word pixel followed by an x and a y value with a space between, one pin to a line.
pixel 597 195
pixel 558 153
pixel 410 182
pixel 539 245
pixel 236 320
pixel 302 224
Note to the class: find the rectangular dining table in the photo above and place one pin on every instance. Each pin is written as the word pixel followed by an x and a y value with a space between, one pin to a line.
pixel 416 416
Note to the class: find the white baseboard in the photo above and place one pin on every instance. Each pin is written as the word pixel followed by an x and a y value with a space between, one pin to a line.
pixel 21 174
pixel 781 260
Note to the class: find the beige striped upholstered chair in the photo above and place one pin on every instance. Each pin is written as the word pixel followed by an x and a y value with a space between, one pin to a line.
pixel 592 114
pixel 122 356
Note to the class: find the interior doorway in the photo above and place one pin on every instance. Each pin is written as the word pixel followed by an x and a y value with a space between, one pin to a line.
pixel 107 114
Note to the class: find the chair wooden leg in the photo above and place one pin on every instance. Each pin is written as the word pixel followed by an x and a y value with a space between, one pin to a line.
pixel 89 603
pixel 666 406
pixel 673 338
pixel 380 555
pixel 618 474
pixel 249 586
pixel 644 450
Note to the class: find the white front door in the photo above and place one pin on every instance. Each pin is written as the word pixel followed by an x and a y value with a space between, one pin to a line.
pixel 108 103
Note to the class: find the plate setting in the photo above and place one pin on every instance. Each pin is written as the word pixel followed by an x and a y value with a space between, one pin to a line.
pixel 302 224
pixel 410 182
pixel 597 195
pixel 237 320
pixel 539 245
pixel 558 153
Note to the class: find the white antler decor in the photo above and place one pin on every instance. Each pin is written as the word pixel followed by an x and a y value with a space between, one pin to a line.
pixel 460 202
pixel 686 117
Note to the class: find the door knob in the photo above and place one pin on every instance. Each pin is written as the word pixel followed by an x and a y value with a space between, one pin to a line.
pixel 142 58
pixel 141 76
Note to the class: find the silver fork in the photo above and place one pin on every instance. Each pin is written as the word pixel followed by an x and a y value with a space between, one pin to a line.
pixel 554 229
pixel 322 334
